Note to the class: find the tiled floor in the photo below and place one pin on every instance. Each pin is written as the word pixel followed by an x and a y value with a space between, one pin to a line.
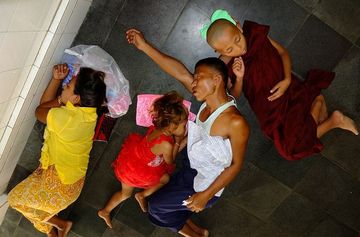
pixel 318 196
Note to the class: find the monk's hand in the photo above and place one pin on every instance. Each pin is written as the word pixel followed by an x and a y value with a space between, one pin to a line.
pixel 60 71
pixel 136 38
pixel 197 202
pixel 279 89
pixel 238 68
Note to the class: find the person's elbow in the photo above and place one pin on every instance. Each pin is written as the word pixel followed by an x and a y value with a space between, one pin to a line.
pixel 41 114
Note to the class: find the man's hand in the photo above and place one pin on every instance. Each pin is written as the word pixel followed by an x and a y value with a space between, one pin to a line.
pixel 197 202
pixel 60 71
pixel 279 89
pixel 136 38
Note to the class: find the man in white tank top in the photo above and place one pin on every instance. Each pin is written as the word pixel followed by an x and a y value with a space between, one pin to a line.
pixel 219 119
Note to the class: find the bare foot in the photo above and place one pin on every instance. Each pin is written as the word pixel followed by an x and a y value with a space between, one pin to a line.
pixel 344 122
pixel 142 201
pixel 52 233
pixel 323 111
pixel 65 230
pixel 106 216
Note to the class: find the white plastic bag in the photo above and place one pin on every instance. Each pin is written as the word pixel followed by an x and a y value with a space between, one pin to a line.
pixel 117 87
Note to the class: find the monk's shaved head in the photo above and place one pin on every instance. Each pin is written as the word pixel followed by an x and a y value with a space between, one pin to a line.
pixel 217 29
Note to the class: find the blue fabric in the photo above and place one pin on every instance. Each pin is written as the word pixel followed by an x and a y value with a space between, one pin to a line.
pixel 165 206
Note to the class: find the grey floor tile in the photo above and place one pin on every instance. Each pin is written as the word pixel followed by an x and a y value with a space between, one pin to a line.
pixel 112 7
pixel 324 183
pixel 72 234
pixel 119 229
pixel 13 216
pixel 343 94
pixel 19 174
pixel 316 45
pixel 332 228
pixel 284 23
pixel 96 28
pixel 287 172
pixel 256 192
pixel 86 222
pixel 236 9
pixel 185 42
pixel 344 17
pixel 344 152
pixel 307 4
pixel 347 208
pixel 268 230
pixel 97 150
pixel 7 228
pixel 224 219
pixel 162 232
pixel 358 42
pixel 297 215
pixel 155 18
pixel 29 227
pixel 20 232
pixel 131 215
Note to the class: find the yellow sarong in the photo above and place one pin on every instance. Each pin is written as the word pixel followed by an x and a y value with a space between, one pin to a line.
pixel 42 195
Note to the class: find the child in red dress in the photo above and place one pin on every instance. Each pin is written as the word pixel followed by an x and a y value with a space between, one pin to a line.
pixel 147 161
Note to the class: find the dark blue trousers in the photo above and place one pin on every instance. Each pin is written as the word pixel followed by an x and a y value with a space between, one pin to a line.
pixel 165 206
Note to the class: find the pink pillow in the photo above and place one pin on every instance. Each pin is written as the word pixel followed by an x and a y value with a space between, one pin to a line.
pixel 144 102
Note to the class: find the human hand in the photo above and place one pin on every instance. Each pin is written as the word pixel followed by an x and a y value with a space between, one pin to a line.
pixel 197 202
pixel 279 89
pixel 136 38
pixel 60 71
pixel 238 68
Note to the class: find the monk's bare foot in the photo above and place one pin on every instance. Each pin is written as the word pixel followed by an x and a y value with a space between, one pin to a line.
pixel 323 111
pixel 65 229
pixel 52 233
pixel 142 201
pixel 344 122
pixel 105 216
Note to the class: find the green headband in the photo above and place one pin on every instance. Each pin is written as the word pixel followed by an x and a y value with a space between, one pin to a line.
pixel 218 14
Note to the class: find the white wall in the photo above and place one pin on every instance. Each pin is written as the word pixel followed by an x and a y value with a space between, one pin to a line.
pixel 33 36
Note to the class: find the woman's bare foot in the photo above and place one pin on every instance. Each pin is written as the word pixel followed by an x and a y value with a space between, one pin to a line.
pixel 142 201
pixel 342 121
pixel 106 216
pixel 65 229
pixel 52 233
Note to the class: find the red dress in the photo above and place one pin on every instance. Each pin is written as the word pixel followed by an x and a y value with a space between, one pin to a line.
pixel 137 166
pixel 286 120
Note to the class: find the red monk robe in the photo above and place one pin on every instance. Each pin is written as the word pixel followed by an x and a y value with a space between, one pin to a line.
pixel 286 120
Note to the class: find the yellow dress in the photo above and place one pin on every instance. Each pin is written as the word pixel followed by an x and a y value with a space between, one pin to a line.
pixel 64 159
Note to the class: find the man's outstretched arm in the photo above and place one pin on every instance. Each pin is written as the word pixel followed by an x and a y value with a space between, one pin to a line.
pixel 167 63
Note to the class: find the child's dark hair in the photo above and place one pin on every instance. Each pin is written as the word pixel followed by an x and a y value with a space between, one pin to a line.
pixel 169 109
pixel 216 64
pixel 91 87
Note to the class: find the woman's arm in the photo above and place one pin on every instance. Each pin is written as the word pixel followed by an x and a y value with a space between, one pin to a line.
pixel 238 135
pixel 48 99
pixel 167 63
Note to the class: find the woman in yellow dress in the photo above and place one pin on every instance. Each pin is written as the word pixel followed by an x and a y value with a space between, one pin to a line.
pixel 70 123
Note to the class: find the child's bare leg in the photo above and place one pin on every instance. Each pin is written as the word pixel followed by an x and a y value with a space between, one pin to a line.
pixel 114 201
pixel 319 110
pixel 201 231
pixel 337 120
pixel 52 233
pixel 63 226
pixel 141 196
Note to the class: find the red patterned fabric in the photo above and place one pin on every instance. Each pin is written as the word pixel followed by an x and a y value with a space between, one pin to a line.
pixel 137 166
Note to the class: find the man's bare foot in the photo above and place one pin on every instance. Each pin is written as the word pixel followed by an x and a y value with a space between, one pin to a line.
pixel 52 233
pixel 105 216
pixel 344 122
pixel 199 230
pixel 65 229
pixel 142 201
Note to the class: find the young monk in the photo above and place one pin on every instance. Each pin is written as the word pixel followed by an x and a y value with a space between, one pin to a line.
pixel 215 147
pixel 291 113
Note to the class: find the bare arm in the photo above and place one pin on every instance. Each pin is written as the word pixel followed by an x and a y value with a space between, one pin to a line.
pixel 239 133
pixel 167 63
pixel 48 99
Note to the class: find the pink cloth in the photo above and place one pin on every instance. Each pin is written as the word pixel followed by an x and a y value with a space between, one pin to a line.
pixel 144 102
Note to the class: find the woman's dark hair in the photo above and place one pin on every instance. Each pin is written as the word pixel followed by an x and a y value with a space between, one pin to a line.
pixel 91 87
pixel 168 109
pixel 216 64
